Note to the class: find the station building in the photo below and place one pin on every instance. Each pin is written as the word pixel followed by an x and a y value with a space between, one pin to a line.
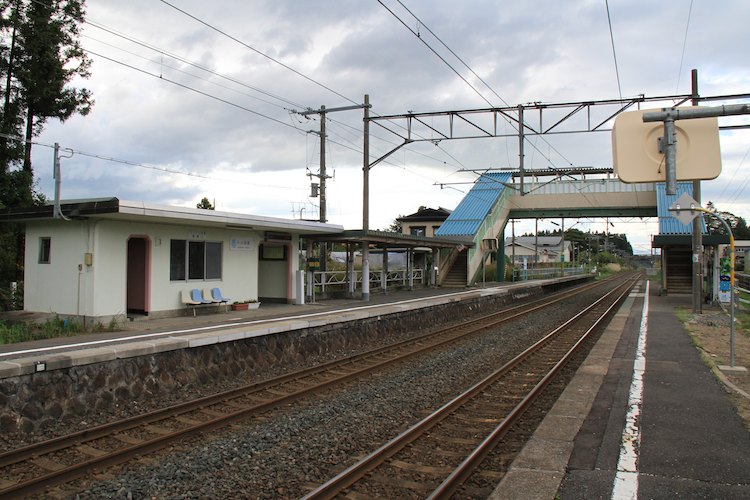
pixel 108 258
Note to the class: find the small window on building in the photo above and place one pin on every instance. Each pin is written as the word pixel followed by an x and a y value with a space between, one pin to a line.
pixel 417 230
pixel 45 245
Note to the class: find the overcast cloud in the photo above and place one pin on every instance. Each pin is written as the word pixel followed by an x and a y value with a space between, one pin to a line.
pixel 527 51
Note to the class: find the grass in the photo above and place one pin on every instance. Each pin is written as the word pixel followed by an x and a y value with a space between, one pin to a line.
pixel 52 328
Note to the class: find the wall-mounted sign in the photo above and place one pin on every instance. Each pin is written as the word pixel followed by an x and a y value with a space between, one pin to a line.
pixel 197 235
pixel 241 244
pixel 276 236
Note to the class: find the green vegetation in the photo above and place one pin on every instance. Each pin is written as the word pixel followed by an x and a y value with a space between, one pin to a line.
pixel 52 328
pixel 41 59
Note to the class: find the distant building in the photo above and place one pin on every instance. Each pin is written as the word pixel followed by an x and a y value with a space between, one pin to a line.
pixel 424 222
pixel 546 248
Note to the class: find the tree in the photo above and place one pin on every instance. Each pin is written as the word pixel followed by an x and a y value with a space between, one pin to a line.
pixel 205 204
pixel 50 57
pixel 737 224
pixel 39 56
pixel 395 226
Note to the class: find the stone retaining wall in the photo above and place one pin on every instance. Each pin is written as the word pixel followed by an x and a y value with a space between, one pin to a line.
pixel 30 403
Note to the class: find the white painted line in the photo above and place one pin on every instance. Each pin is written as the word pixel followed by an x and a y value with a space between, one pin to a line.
pixel 626 480
pixel 225 325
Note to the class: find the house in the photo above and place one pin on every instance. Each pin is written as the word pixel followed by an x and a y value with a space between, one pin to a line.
pixel 108 258
pixel 545 248
pixel 423 222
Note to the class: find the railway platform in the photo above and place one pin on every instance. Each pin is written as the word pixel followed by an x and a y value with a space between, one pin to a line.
pixel 149 336
pixel 683 437
pixel 648 421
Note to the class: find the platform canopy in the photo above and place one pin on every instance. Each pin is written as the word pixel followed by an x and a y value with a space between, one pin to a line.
pixel 388 239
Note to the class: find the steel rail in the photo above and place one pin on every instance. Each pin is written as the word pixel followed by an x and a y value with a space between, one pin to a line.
pixel 357 471
pixel 454 481
pixel 62 442
pixel 123 454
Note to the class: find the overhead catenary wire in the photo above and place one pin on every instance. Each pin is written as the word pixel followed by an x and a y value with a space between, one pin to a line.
pixel 614 52
pixel 197 91
pixel 684 45
pixel 250 47
pixel 183 60
pixel 421 39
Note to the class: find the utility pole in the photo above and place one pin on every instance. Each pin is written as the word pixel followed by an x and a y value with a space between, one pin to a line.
pixel 521 165
pixel 366 202
pixel 322 176
pixel 697 240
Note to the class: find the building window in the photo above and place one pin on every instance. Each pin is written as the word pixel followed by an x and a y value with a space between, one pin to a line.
pixel 417 231
pixel 45 245
pixel 198 260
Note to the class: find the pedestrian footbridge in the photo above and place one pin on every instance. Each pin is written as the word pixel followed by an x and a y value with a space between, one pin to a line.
pixel 497 198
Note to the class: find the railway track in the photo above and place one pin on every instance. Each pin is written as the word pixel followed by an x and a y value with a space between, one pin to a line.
pixel 34 468
pixel 439 455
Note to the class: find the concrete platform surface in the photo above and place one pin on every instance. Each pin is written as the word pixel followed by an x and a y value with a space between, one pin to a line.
pixel 690 442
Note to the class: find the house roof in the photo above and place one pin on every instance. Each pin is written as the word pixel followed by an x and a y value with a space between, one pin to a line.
pixel 116 209
pixel 426 214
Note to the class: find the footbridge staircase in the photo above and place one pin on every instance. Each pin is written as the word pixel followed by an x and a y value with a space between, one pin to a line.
pixel 496 198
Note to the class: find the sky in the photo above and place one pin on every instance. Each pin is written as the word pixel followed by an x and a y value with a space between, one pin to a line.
pixel 198 99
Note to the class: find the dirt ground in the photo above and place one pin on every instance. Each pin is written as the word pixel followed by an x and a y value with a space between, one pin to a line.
pixel 710 333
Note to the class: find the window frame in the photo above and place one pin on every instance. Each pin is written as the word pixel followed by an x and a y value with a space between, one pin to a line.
pixel 209 267
pixel 45 250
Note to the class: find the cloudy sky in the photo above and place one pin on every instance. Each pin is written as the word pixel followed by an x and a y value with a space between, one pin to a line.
pixel 197 98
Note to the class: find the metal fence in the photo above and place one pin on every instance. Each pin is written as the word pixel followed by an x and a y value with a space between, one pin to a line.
pixel 336 280
pixel 545 272
pixel 742 285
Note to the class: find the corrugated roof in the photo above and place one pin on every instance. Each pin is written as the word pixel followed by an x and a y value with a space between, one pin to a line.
pixel 668 223
pixel 476 205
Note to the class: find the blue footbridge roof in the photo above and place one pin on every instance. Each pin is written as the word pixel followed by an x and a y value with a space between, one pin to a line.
pixel 466 219
pixel 668 223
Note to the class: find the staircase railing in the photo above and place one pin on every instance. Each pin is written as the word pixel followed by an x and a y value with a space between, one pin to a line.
pixel 491 227
pixel 447 259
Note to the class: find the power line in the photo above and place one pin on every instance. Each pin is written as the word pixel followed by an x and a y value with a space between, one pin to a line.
pixel 418 35
pixel 434 52
pixel 143 165
pixel 173 68
pixel 187 87
pixel 452 52
pixel 183 60
pixel 235 39
pixel 684 44
pixel 614 52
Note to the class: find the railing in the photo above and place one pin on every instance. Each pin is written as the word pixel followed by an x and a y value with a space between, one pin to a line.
pixel 545 272
pixel 742 281
pixel 337 279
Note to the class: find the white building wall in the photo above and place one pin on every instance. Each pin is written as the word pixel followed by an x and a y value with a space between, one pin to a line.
pixel 54 287
pixel 99 290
